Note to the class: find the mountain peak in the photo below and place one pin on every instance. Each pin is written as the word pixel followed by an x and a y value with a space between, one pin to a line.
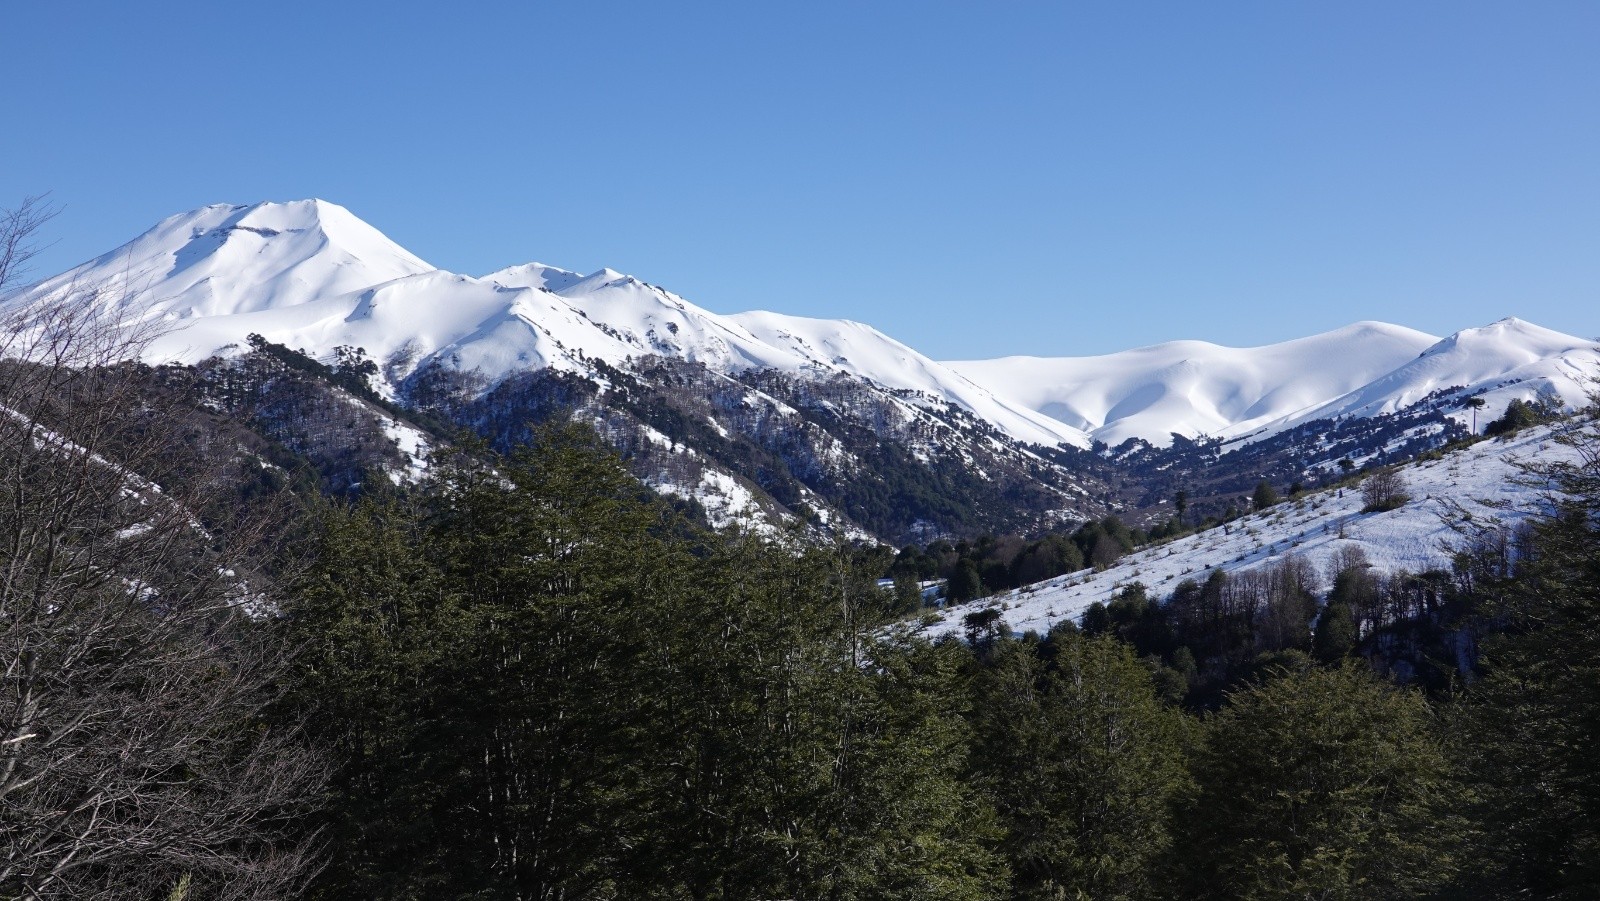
pixel 1510 335
pixel 311 272
pixel 535 275
pixel 225 259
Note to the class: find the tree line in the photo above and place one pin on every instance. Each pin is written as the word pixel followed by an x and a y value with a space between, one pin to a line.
pixel 529 678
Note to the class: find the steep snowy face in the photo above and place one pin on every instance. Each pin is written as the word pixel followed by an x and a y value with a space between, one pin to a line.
pixel 656 321
pixel 864 352
pixel 1195 388
pixel 652 320
pixel 223 260
pixel 1501 361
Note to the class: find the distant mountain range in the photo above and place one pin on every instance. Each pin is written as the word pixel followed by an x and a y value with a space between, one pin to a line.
pixel 794 412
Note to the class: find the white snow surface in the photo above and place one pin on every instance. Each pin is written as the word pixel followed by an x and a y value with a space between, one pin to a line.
pixel 863 351
pixel 311 275
pixel 1197 388
pixel 223 260
pixel 1414 538
pixel 1509 359
pixel 1194 388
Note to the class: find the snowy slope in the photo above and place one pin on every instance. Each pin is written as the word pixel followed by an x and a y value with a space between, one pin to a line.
pixel 1505 360
pixel 1196 388
pixel 653 320
pixel 863 351
pixel 223 260
pixel 311 275
pixel 1413 538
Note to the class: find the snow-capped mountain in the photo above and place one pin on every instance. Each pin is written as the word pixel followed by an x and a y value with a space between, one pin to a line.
pixel 830 418
pixel 1499 362
pixel 309 274
pixel 225 260
pixel 1194 388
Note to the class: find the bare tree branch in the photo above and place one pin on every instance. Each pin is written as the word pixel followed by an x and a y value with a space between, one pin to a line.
pixel 134 750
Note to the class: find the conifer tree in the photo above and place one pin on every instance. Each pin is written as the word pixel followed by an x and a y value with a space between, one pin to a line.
pixel 1265 495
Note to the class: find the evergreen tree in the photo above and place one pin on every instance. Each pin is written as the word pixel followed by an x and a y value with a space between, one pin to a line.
pixel 1265 495
pixel 786 755
pixel 1320 784
pixel 363 621
pixel 1518 415
pixel 1532 725
pixel 1082 761
pixel 1336 635
pixel 965 583
pixel 477 664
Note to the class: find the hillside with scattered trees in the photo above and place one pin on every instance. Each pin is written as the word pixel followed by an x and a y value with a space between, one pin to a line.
pixel 241 661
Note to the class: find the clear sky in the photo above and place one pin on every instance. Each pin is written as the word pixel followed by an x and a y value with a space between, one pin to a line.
pixel 977 180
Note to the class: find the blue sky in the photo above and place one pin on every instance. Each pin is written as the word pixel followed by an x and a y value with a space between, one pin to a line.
pixel 974 179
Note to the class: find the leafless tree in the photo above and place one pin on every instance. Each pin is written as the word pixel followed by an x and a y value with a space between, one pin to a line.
pixel 136 759
pixel 1384 489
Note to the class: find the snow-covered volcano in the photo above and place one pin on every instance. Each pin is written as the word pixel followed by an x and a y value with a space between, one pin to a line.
pixel 309 274
pixel 224 260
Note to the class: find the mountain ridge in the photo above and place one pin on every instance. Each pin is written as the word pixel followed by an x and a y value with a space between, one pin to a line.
pixel 287 270
pixel 827 422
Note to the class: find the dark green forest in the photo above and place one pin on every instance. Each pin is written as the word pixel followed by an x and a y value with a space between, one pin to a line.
pixel 530 678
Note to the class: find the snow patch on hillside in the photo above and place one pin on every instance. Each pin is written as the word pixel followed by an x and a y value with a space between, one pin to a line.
pixel 1481 479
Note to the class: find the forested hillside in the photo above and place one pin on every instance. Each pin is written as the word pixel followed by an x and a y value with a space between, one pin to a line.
pixel 528 677
pixel 251 651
